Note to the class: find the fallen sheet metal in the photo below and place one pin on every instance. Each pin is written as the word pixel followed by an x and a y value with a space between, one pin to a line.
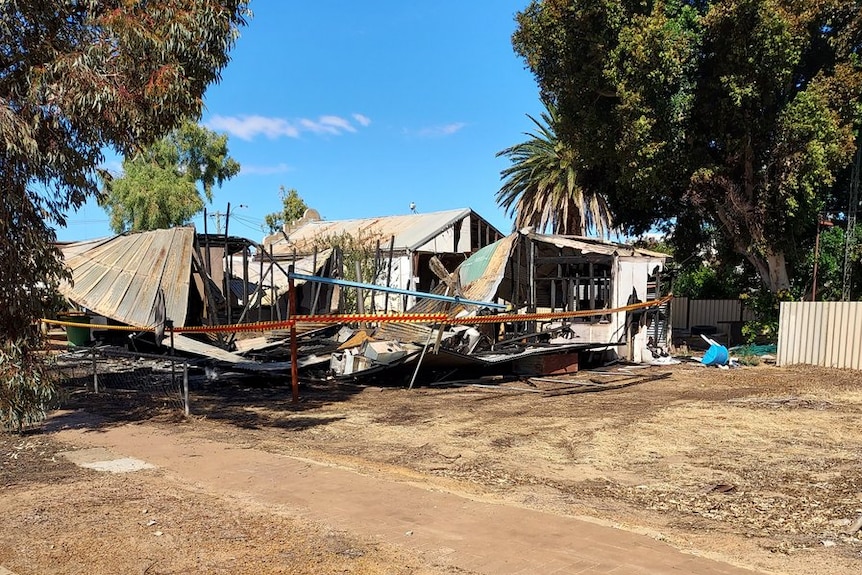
pixel 191 346
pixel 114 279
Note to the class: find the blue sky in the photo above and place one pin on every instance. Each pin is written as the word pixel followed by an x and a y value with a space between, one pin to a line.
pixel 363 108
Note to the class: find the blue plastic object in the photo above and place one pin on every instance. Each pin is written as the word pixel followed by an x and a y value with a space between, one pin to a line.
pixel 715 355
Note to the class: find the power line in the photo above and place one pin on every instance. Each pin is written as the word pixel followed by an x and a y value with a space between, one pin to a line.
pixel 250 224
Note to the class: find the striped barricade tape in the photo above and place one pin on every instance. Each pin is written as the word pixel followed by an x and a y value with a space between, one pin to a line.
pixel 372 318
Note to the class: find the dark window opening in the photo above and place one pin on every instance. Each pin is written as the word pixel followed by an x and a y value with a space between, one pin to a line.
pixel 574 287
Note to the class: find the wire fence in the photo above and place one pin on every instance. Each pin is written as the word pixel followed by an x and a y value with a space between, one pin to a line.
pixel 143 379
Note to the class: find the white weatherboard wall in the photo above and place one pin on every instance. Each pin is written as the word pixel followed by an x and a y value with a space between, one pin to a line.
pixel 401 276
pixel 827 334
pixel 630 279
pixel 444 242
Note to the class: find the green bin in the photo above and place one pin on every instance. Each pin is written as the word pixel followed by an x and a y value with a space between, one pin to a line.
pixel 76 336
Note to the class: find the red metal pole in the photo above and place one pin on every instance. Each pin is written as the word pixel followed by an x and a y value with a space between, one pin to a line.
pixel 294 368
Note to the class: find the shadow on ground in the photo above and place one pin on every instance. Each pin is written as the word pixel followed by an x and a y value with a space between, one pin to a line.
pixel 149 393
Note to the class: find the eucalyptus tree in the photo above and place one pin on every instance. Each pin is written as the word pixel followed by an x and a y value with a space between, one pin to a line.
pixel 159 185
pixel 730 115
pixel 76 78
pixel 545 186
pixel 293 207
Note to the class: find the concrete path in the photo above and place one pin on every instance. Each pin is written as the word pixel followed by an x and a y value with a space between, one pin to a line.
pixel 445 528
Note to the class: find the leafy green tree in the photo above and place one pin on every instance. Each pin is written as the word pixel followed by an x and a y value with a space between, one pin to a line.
pixel 707 282
pixel 830 263
pixel 733 116
pixel 354 251
pixel 715 273
pixel 159 185
pixel 77 78
pixel 545 188
pixel 293 208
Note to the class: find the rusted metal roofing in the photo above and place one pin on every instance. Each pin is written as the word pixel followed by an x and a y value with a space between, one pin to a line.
pixel 411 231
pixel 120 278
pixel 74 248
pixel 482 272
pixel 595 246
pixel 480 276
pixel 403 332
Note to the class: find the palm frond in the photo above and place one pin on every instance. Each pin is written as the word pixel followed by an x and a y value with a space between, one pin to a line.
pixel 543 188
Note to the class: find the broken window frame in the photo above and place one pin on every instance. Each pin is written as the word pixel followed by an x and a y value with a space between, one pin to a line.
pixel 576 282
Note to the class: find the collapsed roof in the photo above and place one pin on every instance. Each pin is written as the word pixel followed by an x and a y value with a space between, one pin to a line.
pixel 127 277
pixel 121 277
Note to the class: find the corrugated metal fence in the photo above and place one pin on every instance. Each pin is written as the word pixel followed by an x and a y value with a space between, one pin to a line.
pixel 686 313
pixel 828 334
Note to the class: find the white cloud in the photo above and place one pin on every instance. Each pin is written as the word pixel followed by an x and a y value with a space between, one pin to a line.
pixel 319 126
pixel 441 131
pixel 250 127
pixel 337 123
pixel 247 170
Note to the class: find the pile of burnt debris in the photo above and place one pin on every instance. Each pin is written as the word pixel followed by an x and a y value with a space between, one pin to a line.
pixel 526 303
pixel 407 353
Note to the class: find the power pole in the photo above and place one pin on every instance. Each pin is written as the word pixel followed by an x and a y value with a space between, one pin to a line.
pixel 217 215
pixel 850 233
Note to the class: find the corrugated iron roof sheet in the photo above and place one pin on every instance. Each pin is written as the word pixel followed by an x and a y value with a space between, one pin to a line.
pixel 75 248
pixel 403 332
pixel 482 272
pixel 120 278
pixel 595 246
pixel 480 277
pixel 410 230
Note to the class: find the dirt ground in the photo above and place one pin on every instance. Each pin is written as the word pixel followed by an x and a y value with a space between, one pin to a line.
pixel 758 466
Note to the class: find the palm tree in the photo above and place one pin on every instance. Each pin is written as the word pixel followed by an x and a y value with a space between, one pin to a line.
pixel 543 187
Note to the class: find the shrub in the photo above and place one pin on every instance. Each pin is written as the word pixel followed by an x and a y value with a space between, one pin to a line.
pixel 27 387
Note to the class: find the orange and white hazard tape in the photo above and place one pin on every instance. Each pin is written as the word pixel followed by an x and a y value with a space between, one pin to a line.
pixel 373 318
